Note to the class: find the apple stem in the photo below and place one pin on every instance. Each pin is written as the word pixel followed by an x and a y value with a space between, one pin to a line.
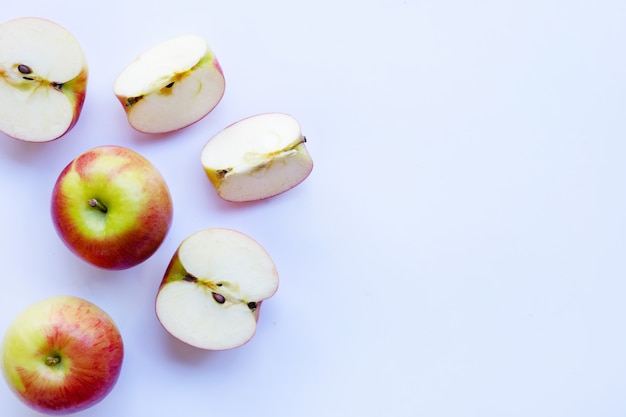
pixel 296 143
pixel 96 204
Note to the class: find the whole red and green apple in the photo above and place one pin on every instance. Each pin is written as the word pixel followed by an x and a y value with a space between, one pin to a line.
pixel 62 354
pixel 112 207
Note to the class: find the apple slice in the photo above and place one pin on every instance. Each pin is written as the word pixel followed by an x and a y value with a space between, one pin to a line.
pixel 213 288
pixel 257 157
pixel 43 79
pixel 170 86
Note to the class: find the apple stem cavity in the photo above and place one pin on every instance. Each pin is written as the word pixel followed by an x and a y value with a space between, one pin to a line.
pixel 97 204
pixel 53 360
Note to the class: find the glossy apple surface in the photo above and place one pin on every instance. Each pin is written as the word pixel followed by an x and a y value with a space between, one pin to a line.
pixel 43 79
pixel 61 355
pixel 111 207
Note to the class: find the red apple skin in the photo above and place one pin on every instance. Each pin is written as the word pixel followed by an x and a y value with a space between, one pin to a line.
pixel 83 335
pixel 77 93
pixel 144 197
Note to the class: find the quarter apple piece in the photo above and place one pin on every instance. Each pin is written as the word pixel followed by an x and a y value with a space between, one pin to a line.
pixel 256 158
pixel 43 79
pixel 111 207
pixel 62 355
pixel 171 86
pixel 213 288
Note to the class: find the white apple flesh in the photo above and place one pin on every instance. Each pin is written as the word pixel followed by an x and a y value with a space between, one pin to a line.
pixel 170 86
pixel 62 355
pixel 43 79
pixel 257 157
pixel 213 288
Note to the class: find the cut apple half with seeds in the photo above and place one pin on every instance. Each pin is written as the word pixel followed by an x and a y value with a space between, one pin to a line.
pixel 256 158
pixel 170 86
pixel 43 79
pixel 212 290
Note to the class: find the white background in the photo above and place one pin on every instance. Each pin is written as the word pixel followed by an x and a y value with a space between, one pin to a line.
pixel 458 249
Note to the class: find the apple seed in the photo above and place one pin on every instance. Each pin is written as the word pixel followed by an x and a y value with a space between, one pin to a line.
pixel 252 305
pixel 219 298
pixel 24 69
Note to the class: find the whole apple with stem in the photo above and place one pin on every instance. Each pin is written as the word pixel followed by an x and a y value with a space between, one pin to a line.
pixel 257 157
pixel 170 86
pixel 111 207
pixel 43 79
pixel 62 354
pixel 211 294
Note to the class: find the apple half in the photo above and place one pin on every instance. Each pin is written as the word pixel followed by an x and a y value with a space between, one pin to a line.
pixel 43 79
pixel 62 354
pixel 170 86
pixel 212 290
pixel 257 157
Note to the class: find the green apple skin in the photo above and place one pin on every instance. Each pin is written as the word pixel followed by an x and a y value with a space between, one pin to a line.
pixel 62 355
pixel 133 213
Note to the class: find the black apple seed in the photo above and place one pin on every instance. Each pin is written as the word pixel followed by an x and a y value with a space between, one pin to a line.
pixel 24 69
